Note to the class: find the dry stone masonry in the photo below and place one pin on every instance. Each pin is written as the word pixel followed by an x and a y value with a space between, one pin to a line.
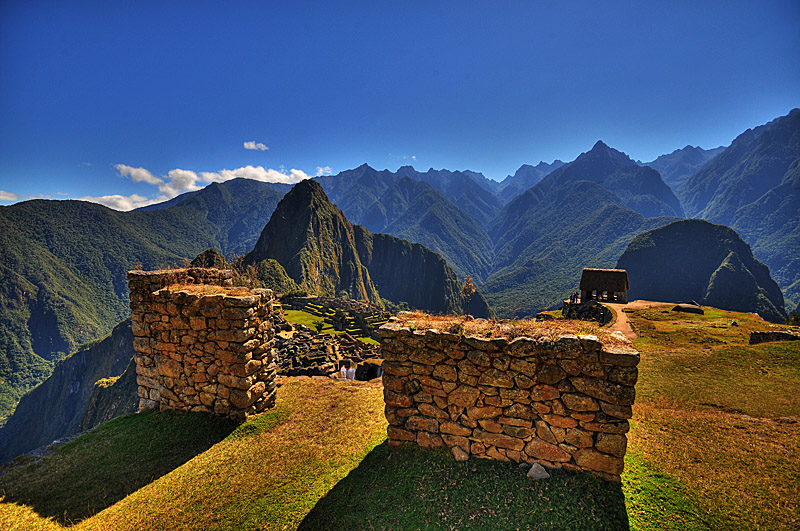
pixel 202 345
pixel 561 403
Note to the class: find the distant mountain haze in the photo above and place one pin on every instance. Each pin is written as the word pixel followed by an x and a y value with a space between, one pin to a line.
pixel 678 167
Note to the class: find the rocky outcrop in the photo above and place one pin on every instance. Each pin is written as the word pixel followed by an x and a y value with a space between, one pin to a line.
pixel 590 310
pixel 408 272
pixel 696 260
pixel 562 403
pixel 56 407
pixel 200 344
pixel 112 397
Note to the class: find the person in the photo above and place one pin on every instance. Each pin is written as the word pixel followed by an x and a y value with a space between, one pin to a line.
pixel 351 372
pixel 343 370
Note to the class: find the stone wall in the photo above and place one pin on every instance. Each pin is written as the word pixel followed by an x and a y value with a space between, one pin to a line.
pixel 776 335
pixel 202 345
pixel 562 403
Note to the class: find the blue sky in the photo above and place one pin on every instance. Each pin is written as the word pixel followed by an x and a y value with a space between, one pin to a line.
pixel 138 101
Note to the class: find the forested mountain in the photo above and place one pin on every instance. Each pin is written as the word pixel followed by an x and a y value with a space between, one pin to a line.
pixel 324 253
pixel 525 177
pixel 57 407
pixel 754 187
pixel 678 167
pixel 237 209
pixel 545 237
pixel 696 260
pixel 639 187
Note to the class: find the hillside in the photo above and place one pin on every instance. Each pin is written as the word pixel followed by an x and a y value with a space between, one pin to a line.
pixel 697 260
pixel 753 186
pixel 324 253
pixel 546 236
pixel 64 277
pixel 56 407
pixel 678 167
pixel 640 188
pixel 308 464
pixel 314 243
pixel 525 177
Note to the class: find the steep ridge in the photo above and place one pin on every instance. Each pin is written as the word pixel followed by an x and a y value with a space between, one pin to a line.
pixel 56 407
pixel 525 177
pixel 754 186
pixel 678 167
pixel 409 272
pixel 545 237
pixel 325 254
pixel 697 260
pixel 314 242
pixel 639 187
pixel 449 216
pixel 419 213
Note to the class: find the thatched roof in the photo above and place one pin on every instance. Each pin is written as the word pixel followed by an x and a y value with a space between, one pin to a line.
pixel 604 280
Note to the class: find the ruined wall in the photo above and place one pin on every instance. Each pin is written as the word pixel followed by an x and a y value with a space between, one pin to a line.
pixel 202 348
pixel 562 403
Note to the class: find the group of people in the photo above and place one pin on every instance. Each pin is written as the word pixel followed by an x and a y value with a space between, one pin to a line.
pixel 574 298
pixel 347 371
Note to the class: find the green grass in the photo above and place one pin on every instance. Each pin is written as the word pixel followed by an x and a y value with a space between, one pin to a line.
pixel 320 461
pixel 105 465
pixel 719 416
pixel 414 488
pixel 298 317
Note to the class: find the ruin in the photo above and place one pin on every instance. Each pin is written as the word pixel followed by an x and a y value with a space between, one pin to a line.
pixel 201 344
pixel 561 402
pixel 608 285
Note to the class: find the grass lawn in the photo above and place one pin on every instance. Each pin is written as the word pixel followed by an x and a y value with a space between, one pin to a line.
pixel 714 444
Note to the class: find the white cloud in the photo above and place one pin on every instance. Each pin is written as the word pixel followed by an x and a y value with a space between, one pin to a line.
pixel 255 146
pixel 137 174
pixel 124 202
pixel 323 170
pixel 256 173
pixel 8 196
pixel 179 181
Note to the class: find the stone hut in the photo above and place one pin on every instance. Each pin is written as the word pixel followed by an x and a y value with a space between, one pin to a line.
pixel 609 285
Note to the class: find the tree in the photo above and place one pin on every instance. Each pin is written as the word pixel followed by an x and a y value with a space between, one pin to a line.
pixel 467 290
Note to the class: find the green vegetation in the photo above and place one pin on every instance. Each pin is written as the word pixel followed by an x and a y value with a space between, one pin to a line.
pixel 414 488
pixel 316 323
pixel 102 467
pixel 718 416
pixel 320 461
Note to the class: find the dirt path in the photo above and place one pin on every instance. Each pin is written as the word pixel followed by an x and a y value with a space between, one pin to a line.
pixel 622 324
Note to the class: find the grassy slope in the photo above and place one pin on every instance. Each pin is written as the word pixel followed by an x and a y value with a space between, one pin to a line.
pixel 709 449
pixel 718 416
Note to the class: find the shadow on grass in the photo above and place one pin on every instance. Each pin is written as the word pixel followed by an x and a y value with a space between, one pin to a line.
pixel 117 458
pixel 415 488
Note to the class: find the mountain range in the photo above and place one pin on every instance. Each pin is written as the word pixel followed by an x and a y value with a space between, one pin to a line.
pixel 64 262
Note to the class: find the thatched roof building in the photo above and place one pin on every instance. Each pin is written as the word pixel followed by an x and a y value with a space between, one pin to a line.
pixel 604 285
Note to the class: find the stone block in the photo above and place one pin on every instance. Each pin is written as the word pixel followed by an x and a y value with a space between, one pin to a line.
pixel 541 450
